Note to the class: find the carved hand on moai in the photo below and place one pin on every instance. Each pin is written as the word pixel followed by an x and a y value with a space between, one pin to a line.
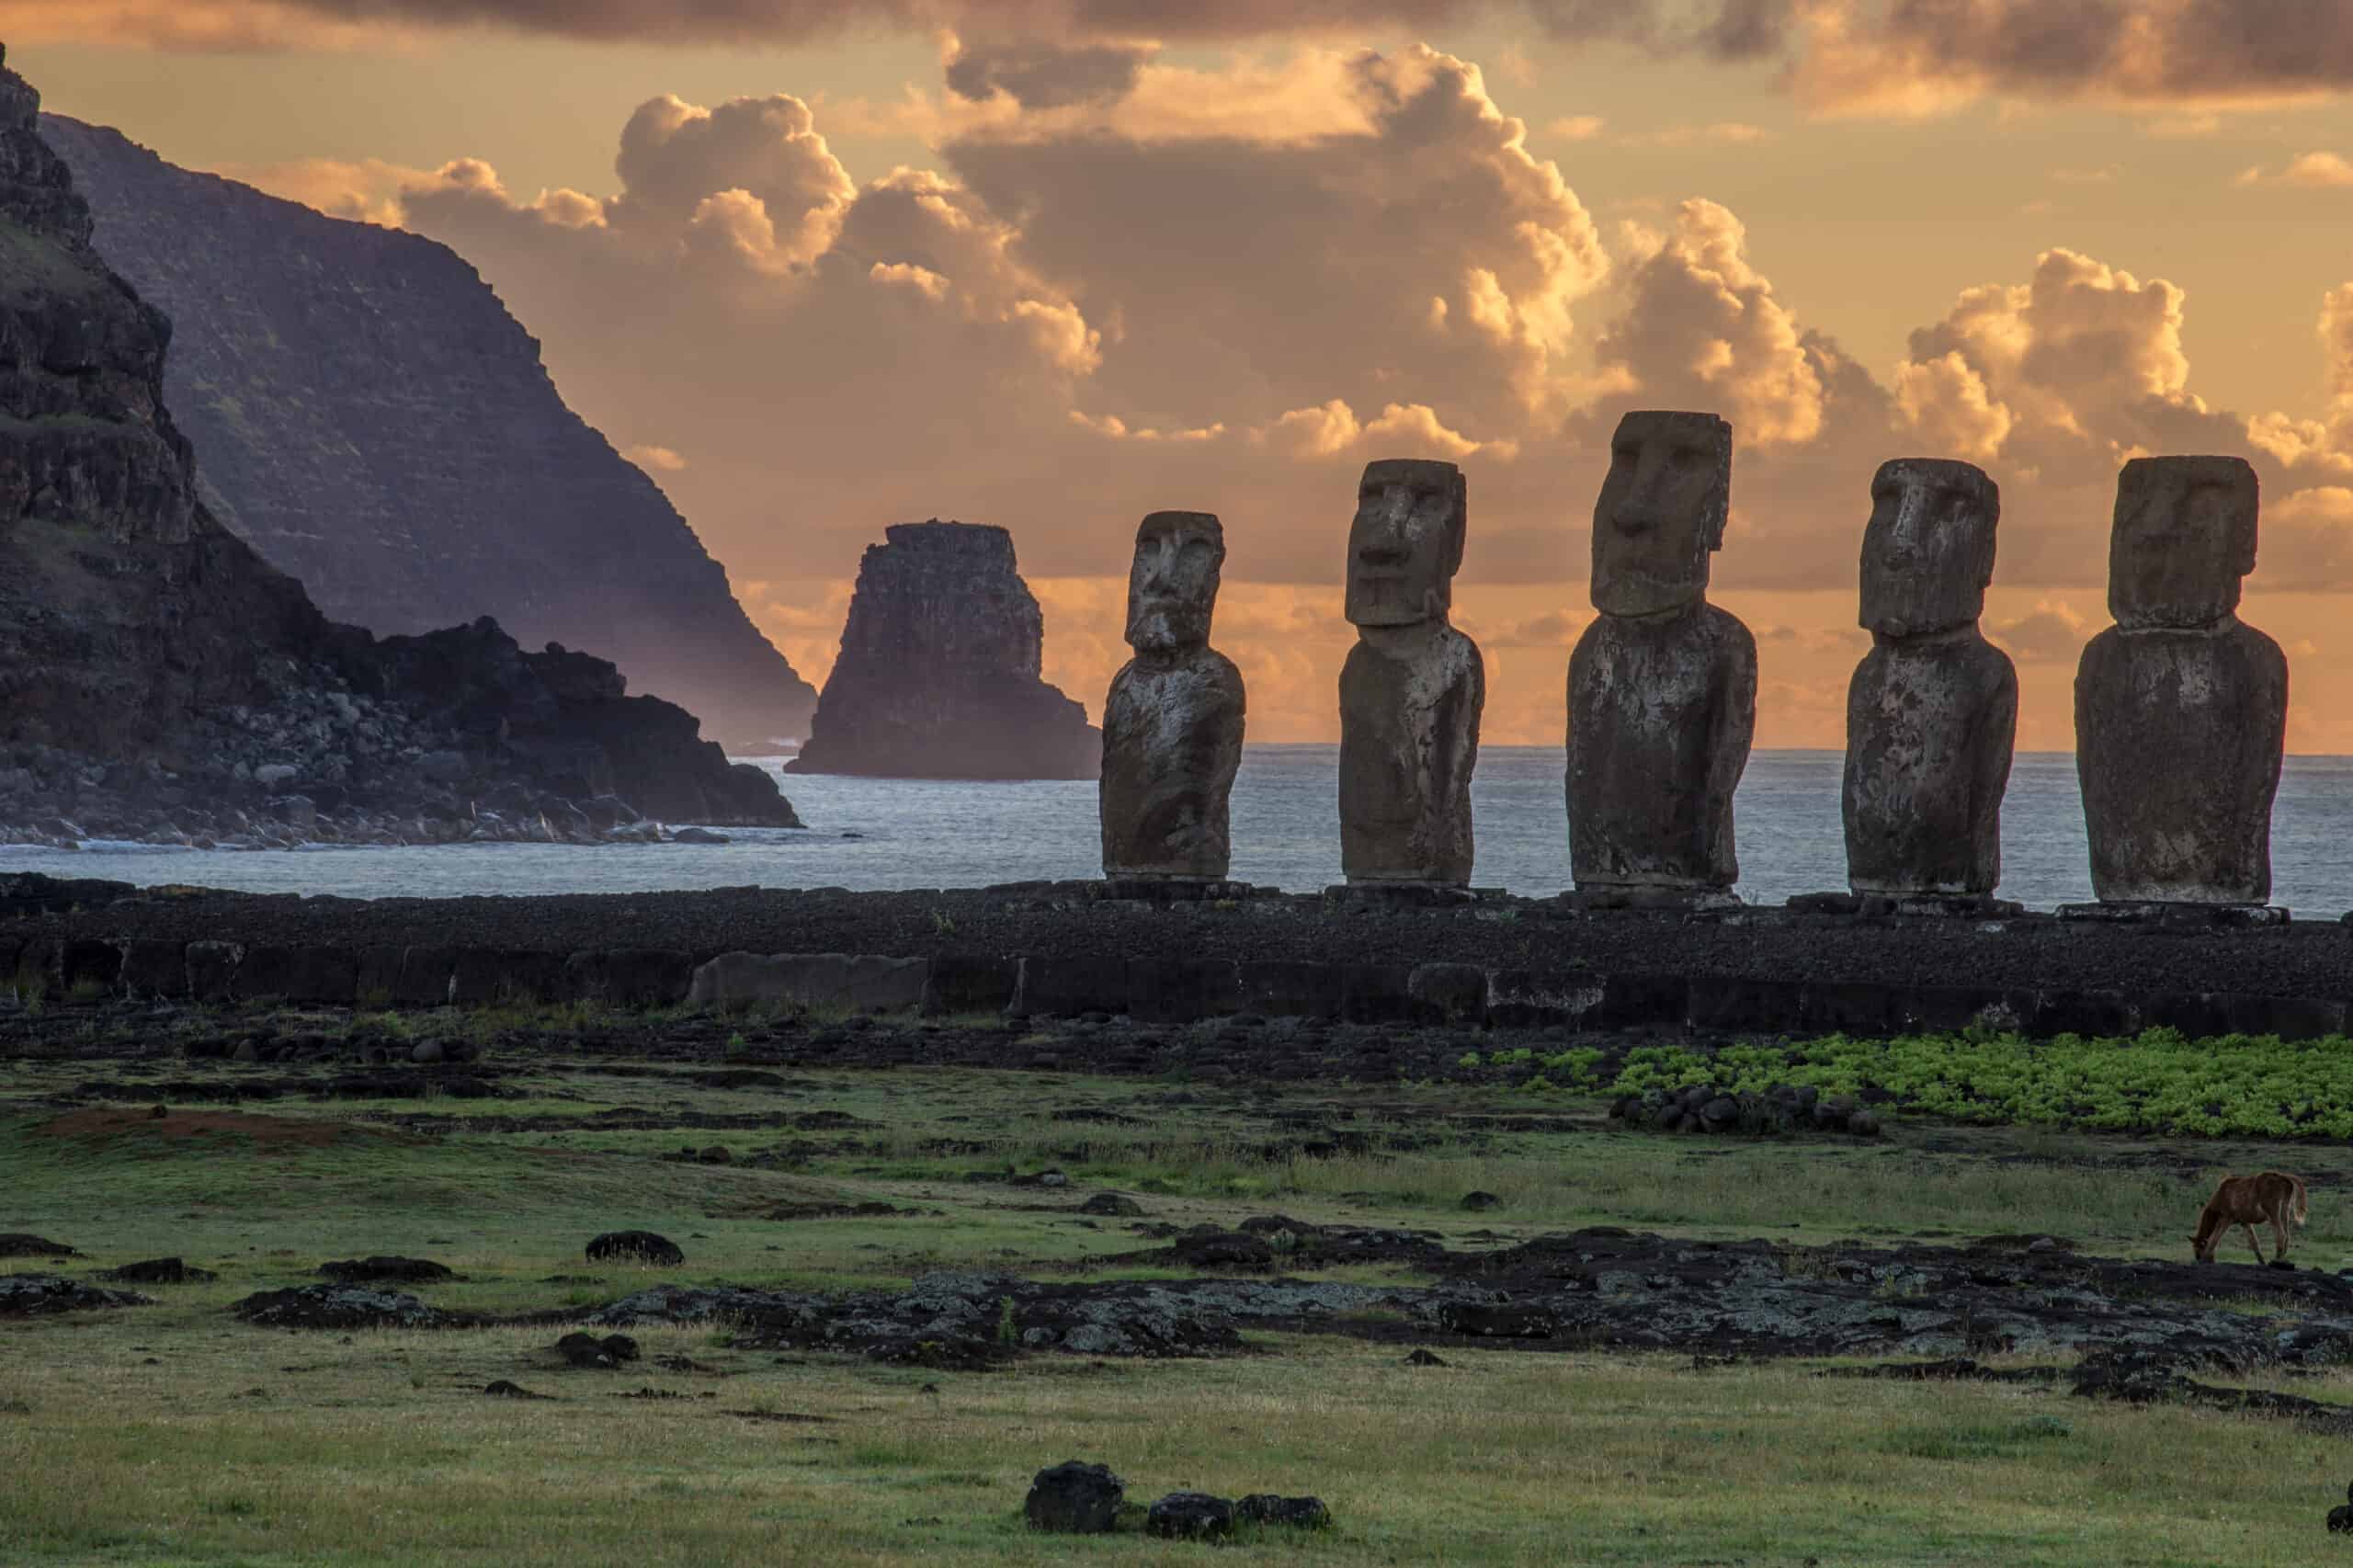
pixel 1405 543
pixel 1173 583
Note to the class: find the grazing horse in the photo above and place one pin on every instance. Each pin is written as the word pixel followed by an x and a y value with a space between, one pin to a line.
pixel 2270 1197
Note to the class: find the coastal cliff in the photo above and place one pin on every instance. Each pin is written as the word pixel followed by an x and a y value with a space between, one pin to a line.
pixel 159 680
pixel 373 421
pixel 939 673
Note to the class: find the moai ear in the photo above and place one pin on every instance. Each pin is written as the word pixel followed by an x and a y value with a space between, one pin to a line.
pixel 1458 523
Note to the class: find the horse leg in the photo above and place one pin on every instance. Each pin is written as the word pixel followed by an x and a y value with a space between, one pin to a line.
pixel 2279 1230
pixel 2249 1229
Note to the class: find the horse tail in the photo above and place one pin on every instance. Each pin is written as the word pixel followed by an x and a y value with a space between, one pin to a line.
pixel 2303 1207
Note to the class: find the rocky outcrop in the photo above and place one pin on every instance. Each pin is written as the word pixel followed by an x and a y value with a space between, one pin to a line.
pixel 374 422
pixel 938 676
pixel 159 680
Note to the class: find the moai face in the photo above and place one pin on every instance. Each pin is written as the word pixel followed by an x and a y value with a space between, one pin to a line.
pixel 1172 586
pixel 2184 537
pixel 1661 511
pixel 1406 542
pixel 1928 548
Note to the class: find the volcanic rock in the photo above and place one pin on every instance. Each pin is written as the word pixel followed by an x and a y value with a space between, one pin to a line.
pixel 160 1271
pixel 21 1243
pixel 1072 1498
pixel 1190 1516
pixel 939 673
pixel 37 1295
pixel 386 1270
pixel 640 1246
pixel 1300 1513
pixel 340 1306
pixel 316 358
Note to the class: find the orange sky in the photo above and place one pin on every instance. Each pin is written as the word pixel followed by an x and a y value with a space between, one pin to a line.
pixel 1054 264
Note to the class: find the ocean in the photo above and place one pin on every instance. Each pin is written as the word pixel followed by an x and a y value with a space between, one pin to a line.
pixel 875 833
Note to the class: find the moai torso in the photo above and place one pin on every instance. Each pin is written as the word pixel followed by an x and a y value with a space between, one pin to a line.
pixel 1172 742
pixel 1173 721
pixel 1409 739
pixel 2178 735
pixel 2181 708
pixel 1413 688
pixel 1658 717
pixel 1662 684
pixel 1930 723
pixel 1932 711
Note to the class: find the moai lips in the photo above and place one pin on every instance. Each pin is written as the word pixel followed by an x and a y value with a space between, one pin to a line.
pixel 1661 684
pixel 2181 708
pixel 1412 688
pixel 1932 711
pixel 1173 721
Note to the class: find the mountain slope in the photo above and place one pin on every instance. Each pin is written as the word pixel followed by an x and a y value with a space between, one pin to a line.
pixel 372 420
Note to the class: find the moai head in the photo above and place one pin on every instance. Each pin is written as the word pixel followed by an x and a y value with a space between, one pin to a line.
pixel 1406 542
pixel 2184 537
pixel 1172 587
pixel 1661 513
pixel 1928 548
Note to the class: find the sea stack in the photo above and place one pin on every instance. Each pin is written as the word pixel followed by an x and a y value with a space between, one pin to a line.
pixel 939 672
pixel 1662 684
pixel 1933 709
pixel 1172 721
pixel 1413 688
pixel 2181 708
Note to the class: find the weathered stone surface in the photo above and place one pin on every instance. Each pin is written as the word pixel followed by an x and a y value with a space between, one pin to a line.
pixel 635 1246
pixel 938 676
pixel 1413 688
pixel 1932 711
pixel 630 977
pixel 862 982
pixel 1661 684
pixel 1173 721
pixel 2181 708
pixel 162 681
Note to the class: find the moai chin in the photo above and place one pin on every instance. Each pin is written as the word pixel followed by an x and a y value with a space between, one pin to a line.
pixel 1662 684
pixel 1171 722
pixel 2181 708
pixel 1932 711
pixel 1412 686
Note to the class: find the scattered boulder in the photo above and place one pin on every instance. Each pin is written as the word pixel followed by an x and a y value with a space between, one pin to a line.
pixel 1117 1204
pixel 386 1271
pixel 17 1244
pixel 641 1246
pixel 38 1295
pixel 501 1388
pixel 1426 1358
pixel 2340 1518
pixel 1072 1498
pixel 1190 1516
pixel 1226 1249
pixel 1299 1512
pixel 1478 1203
pixel 159 1271
pixel 341 1306
pixel 587 1350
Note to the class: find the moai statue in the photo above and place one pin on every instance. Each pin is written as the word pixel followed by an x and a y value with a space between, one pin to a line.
pixel 2181 708
pixel 1933 710
pixel 1412 688
pixel 1172 724
pixel 1662 684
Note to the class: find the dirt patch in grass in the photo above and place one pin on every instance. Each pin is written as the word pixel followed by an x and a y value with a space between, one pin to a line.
pixel 102 1124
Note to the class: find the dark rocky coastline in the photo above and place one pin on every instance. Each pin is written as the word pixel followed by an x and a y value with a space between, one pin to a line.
pixel 159 681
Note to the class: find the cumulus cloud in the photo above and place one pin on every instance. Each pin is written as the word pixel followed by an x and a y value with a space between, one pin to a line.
pixel 1705 331
pixel 1044 76
pixel 2319 171
pixel 662 460
pixel 2052 633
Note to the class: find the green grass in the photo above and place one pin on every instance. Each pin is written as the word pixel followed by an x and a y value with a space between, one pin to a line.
pixel 236 1445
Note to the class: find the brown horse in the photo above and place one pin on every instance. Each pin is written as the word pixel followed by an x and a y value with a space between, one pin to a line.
pixel 2271 1198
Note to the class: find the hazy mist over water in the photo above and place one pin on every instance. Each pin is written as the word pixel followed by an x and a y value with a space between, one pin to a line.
pixel 931 834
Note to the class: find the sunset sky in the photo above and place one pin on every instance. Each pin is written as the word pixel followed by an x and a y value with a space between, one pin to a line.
pixel 821 266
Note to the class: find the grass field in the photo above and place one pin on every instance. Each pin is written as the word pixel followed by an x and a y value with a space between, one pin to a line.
pixel 175 1434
